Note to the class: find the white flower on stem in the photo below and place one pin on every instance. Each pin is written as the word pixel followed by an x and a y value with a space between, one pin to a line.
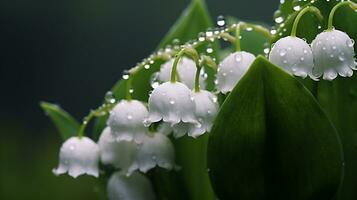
pixel 126 120
pixel 173 103
pixel 134 187
pixel 293 55
pixel 120 154
pixel 186 69
pixel 206 111
pixel 78 156
pixel 232 69
pixel 156 150
pixel 333 54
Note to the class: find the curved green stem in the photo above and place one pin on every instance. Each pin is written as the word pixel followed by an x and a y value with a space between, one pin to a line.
pixel 128 88
pixel 260 29
pixel 333 10
pixel 85 122
pixel 312 9
pixel 237 43
pixel 174 67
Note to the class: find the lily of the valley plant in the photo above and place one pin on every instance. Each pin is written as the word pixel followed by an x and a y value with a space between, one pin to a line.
pixel 274 117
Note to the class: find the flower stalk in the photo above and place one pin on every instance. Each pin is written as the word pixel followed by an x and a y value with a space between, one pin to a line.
pixel 312 9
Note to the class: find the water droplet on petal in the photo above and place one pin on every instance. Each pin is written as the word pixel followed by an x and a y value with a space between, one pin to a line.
pixel 282 52
pixel 238 57
pixel 129 117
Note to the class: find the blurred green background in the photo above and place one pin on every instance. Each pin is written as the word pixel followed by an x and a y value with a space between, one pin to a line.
pixel 71 52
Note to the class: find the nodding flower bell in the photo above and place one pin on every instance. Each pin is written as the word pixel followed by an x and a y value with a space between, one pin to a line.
pixel 120 154
pixel 78 155
pixel 333 54
pixel 206 111
pixel 126 120
pixel 185 71
pixel 171 102
pixel 134 187
pixel 294 55
pixel 232 69
pixel 156 150
pixel 333 49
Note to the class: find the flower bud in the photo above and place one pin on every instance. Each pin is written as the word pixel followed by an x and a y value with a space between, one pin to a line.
pixel 134 187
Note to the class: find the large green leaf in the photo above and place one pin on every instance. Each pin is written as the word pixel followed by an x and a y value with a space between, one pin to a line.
pixel 64 122
pixel 271 140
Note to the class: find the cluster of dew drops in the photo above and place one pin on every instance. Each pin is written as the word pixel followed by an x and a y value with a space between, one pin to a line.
pixel 210 36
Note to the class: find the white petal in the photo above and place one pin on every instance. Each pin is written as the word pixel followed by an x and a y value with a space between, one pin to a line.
pixel 156 150
pixel 78 156
pixel 171 102
pixel 126 120
pixel 134 187
pixel 186 69
pixel 120 154
pixel 232 69
pixel 333 54
pixel 293 55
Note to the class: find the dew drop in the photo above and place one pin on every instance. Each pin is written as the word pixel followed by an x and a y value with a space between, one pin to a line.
pixel 238 57
pixel 331 55
pixel 341 58
pixel 129 117
pixel 221 21
pixel 147 66
pixel 172 102
pixel 249 29
pixel 302 58
pixel 201 36
pixel 279 20
pixel 109 98
pixel 273 31
pixel 209 50
pixel 297 8
pixel 71 148
pixel 266 50
pixel 282 52
pixel 131 91
pixel 285 61
pixel 154 80
pixel 305 51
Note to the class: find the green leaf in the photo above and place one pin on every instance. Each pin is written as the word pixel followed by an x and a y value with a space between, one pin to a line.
pixel 271 140
pixel 64 122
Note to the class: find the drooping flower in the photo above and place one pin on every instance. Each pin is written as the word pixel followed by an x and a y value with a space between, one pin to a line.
pixel 333 54
pixel 232 69
pixel 173 103
pixel 293 55
pixel 186 69
pixel 126 120
pixel 78 156
pixel 156 150
pixel 134 187
pixel 120 154
pixel 206 111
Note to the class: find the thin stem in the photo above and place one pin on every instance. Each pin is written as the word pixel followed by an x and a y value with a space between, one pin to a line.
pixel 128 88
pixel 332 13
pixel 312 9
pixel 174 67
pixel 260 29
pixel 238 37
pixel 86 121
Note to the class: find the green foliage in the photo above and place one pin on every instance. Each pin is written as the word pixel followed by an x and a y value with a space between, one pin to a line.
pixel 66 125
pixel 271 140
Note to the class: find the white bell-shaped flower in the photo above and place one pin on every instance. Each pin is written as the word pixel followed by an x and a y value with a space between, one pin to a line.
pixel 232 69
pixel 173 103
pixel 78 156
pixel 186 69
pixel 206 111
pixel 293 55
pixel 126 120
pixel 120 154
pixel 156 150
pixel 134 187
pixel 333 54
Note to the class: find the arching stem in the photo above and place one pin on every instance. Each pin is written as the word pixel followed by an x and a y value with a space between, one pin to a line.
pixel 237 43
pixel 312 9
pixel 174 67
pixel 333 10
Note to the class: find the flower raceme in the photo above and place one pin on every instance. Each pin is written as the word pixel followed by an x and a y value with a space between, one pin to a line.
pixel 78 155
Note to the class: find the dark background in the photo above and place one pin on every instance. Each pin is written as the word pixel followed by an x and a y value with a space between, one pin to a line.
pixel 71 52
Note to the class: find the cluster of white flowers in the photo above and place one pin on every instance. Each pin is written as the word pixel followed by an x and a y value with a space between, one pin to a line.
pixel 331 53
